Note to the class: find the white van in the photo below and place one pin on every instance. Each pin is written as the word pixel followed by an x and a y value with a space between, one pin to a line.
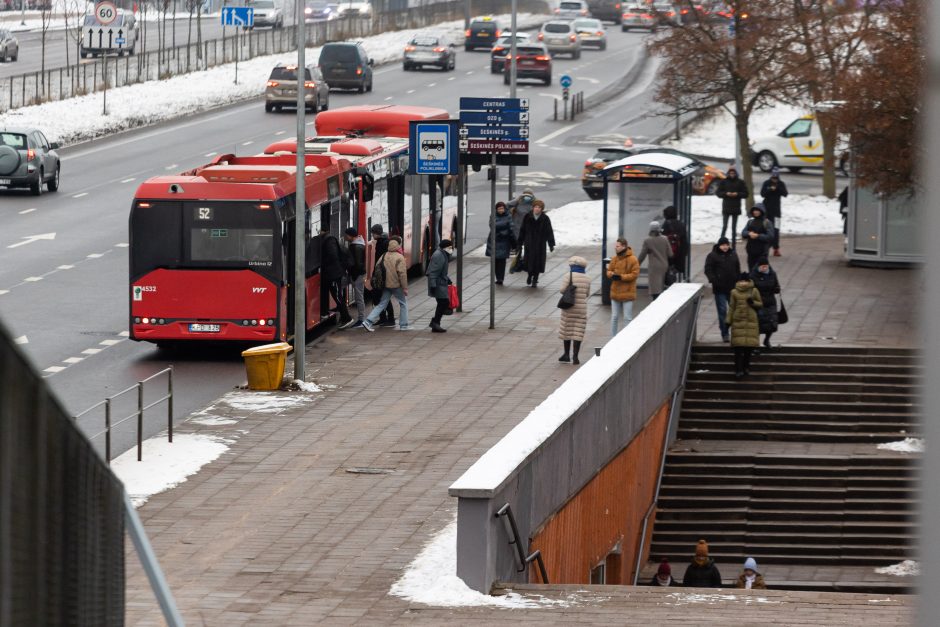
pixel 120 36
pixel 797 146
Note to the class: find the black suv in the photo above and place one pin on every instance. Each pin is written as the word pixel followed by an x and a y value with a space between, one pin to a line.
pixel 346 66
pixel 483 33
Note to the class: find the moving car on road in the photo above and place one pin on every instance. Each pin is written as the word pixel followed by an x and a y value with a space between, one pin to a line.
pixel 281 89
pixel 267 14
pixel 28 159
pixel 591 32
pixel 482 33
pixel 533 61
pixel 9 46
pixel 637 16
pixel 560 38
pixel 609 10
pixel 435 49
pixel 501 49
pixel 571 9
pixel 346 66
pixel 318 10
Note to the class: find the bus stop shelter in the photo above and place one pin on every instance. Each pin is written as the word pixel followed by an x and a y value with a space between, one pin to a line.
pixel 638 188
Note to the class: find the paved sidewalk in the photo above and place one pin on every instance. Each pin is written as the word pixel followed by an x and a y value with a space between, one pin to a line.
pixel 313 513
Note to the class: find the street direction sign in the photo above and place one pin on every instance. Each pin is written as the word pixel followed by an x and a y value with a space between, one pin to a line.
pixel 565 81
pixel 105 12
pixel 494 118
pixel 490 146
pixel 433 147
pixel 120 41
pixel 512 133
pixel 494 104
pixel 238 16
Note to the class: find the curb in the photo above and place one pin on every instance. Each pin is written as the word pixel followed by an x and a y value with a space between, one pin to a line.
pixel 618 87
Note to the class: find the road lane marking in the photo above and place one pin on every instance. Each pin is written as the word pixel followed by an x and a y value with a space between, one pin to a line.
pixel 33 238
pixel 94 255
pixel 211 154
pixel 432 84
pixel 470 72
pixel 122 245
pixel 558 132
pixel 21 340
pixel 2 292
pixel 65 267
pixel 54 369
pixel 92 351
pixel 452 78
pixel 80 195
pixel 130 180
pixel 411 91
pixel 109 342
pixel 73 360
pixel 25 211
pixel 33 279
pixel 388 98
pixel 125 333
pixel 171 167
pixel 247 143
pixel 278 134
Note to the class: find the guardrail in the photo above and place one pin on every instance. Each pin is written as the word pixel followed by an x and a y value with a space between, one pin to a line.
pixel 139 414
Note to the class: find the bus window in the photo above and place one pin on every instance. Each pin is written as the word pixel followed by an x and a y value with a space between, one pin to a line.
pixel 232 244
pixel 156 240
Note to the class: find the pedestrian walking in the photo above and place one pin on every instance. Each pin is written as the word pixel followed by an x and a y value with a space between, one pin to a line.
pixel 663 576
pixel 574 319
pixel 750 578
pixel 722 269
pixel 732 191
pixel 387 319
pixel 743 305
pixel 844 209
pixel 772 191
pixel 536 233
pixel 702 572
pixel 438 282
pixel 656 247
pixel 333 265
pixel 505 240
pixel 519 208
pixel 357 271
pixel 758 234
pixel 395 285
pixel 766 282
pixel 622 271
pixel 677 233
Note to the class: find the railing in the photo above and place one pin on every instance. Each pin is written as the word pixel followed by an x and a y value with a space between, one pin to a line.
pixel 139 414
pixel 509 520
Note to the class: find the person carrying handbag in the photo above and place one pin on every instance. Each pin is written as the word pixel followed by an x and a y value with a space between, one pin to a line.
pixel 573 322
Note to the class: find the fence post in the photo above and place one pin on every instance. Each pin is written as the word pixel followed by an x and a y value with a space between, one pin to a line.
pixel 107 430
pixel 169 401
pixel 140 421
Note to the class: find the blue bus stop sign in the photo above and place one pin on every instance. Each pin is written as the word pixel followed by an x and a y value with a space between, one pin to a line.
pixel 565 81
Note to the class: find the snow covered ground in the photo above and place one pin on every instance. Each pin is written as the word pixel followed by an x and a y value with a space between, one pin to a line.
pixel 907 445
pixel 907 568
pixel 79 119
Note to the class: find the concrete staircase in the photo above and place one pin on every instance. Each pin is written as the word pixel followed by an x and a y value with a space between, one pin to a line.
pixel 782 466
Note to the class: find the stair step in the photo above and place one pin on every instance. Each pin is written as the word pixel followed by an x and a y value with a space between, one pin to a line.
pixel 742 416
pixel 763 365
pixel 768 396
pixel 723 378
pixel 699 349
pixel 698 502
pixel 809 424
pixel 748 538
pixel 836 516
pixel 762 491
pixel 793 555
pixel 716 525
pixel 771 460
pixel 671 478
pixel 699 382
pixel 788 436
pixel 733 405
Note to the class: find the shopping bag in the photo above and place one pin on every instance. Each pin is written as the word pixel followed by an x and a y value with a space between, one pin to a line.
pixel 782 316
pixel 452 294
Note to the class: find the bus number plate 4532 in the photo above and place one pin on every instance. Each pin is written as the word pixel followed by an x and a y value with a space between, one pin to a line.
pixel 204 328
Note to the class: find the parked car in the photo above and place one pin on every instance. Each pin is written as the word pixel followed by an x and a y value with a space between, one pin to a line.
pixel 704 180
pixel 346 65
pixel 591 32
pixel 571 9
pixel 28 159
pixel 267 14
pixel 9 46
pixel 482 33
pixel 501 49
pixel 281 89
pixel 532 61
pixel 798 146
pixel 435 49
pixel 609 10
pixel 637 16
pixel 318 10
pixel 560 38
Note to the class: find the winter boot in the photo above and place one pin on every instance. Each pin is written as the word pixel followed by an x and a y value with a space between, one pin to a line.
pixel 577 349
pixel 564 356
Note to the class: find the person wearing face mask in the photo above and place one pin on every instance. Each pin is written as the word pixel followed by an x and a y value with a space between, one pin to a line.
pixel 766 282
pixel 622 271
pixel 505 240
pixel 772 191
pixel 536 233
pixel 750 579
pixel 732 191
pixel 722 269
pixel 438 282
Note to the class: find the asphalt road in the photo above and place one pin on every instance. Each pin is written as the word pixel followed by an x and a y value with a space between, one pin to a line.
pixel 65 296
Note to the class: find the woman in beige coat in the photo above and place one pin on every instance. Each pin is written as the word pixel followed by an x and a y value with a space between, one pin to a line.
pixel 574 319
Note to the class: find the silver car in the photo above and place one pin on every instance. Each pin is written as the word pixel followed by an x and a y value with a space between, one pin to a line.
pixel 560 38
pixel 281 89
pixel 28 159
pixel 572 9
pixel 267 14
pixel 9 46
pixel 591 32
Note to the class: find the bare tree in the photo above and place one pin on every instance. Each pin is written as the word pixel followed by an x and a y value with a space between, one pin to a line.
pixel 45 15
pixel 734 62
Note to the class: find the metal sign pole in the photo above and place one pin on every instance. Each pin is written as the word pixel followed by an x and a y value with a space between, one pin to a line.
pixel 105 72
pixel 237 49
pixel 300 207
pixel 512 84
pixel 493 243
pixel 460 236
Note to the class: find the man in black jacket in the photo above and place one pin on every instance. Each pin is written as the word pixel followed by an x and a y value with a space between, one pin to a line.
pixel 357 271
pixel 772 191
pixel 387 318
pixel 732 191
pixel 722 268
pixel 332 269
pixel 759 235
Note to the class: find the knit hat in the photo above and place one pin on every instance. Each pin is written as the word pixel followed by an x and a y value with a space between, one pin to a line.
pixel 578 261
pixel 723 240
pixel 377 229
pixel 744 276
pixel 701 549
pixel 446 243
pixel 762 262
pixel 750 564
pixel 655 227
pixel 351 231
pixel 664 569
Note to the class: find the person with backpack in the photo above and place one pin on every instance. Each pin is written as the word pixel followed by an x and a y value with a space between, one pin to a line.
pixel 656 247
pixel 438 280
pixel 357 271
pixel 759 235
pixel 380 239
pixel 391 274
pixel 333 264
pixel 678 235
pixel 772 191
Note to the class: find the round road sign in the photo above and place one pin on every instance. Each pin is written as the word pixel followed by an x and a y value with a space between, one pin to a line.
pixel 105 13
pixel 565 81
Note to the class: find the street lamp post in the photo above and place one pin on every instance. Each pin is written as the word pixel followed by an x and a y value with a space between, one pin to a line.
pixel 512 84
pixel 300 204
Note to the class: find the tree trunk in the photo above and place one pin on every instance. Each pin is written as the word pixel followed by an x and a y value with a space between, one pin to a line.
pixel 199 35
pixel 829 137
pixel 744 150
pixel 189 34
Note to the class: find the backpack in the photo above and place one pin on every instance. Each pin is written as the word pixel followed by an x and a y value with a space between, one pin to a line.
pixel 675 241
pixel 378 274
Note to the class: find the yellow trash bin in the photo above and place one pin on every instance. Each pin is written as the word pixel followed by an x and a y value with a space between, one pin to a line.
pixel 265 365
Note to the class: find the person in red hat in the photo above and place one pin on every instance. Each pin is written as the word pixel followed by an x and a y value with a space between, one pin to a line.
pixel 663 576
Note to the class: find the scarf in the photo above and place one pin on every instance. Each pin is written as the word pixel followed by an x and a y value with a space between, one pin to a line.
pixel 577 269
pixel 664 581
pixel 749 581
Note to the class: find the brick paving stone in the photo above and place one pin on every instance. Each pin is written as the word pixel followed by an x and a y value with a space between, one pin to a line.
pixel 277 532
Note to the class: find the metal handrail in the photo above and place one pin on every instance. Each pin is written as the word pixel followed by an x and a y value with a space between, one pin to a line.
pixel 139 414
pixel 513 530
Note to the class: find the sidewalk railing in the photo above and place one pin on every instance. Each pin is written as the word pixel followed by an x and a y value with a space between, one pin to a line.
pixel 142 407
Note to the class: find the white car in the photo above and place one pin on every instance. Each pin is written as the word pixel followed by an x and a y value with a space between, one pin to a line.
pixel 267 14
pixel 572 9
pixel 797 146
pixel 355 9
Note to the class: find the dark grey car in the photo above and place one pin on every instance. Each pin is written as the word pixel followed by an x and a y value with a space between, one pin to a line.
pixel 9 46
pixel 27 159
pixel 346 66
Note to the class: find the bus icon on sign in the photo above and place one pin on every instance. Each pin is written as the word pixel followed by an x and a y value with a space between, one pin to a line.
pixel 433 146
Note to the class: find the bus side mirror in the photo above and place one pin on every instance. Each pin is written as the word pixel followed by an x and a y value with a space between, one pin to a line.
pixel 367 181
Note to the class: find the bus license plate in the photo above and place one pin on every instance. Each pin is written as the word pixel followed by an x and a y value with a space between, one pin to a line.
pixel 4 181
pixel 204 328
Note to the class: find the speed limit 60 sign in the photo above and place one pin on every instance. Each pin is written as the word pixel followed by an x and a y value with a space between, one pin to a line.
pixel 105 13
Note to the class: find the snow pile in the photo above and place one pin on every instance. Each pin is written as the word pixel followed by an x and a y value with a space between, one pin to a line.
pixel 305 386
pixel 683 598
pixel 165 465
pixel 714 136
pixel 431 579
pixel 78 119
pixel 907 568
pixel 581 223
pixel 907 445
pixel 263 402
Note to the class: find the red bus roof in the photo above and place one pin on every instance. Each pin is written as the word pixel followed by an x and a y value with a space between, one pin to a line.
pixel 375 120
